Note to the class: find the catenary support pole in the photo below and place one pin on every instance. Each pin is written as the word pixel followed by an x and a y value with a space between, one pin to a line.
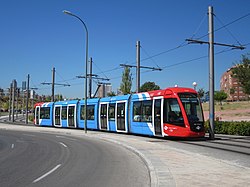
pixel 53 85
pixel 17 97
pixel 138 66
pixel 10 101
pixel 23 95
pixel 27 98
pixel 211 44
pixel 13 100
pixel 90 77
pixel 211 72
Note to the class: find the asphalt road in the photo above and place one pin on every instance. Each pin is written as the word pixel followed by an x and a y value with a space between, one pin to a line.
pixel 171 162
pixel 45 159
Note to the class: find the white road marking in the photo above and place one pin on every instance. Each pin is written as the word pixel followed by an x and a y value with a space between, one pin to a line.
pixel 12 146
pixel 46 174
pixel 63 144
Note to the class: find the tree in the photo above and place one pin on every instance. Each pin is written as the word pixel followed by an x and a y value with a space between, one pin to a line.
pixel 220 96
pixel 201 92
pixel 110 94
pixel 126 84
pixel 5 106
pixel 59 97
pixel 2 93
pixel 148 86
pixel 242 72
pixel 46 98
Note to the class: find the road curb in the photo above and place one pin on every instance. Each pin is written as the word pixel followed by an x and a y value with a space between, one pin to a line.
pixel 152 172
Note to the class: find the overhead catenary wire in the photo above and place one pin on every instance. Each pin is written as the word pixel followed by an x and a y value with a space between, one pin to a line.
pixel 230 23
pixel 172 65
pixel 61 78
pixel 152 59
pixel 183 44
pixel 198 28
pixel 164 67
pixel 100 70
pixel 230 33
pixel 183 62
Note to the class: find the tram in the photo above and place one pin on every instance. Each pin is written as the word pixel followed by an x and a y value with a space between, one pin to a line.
pixel 173 112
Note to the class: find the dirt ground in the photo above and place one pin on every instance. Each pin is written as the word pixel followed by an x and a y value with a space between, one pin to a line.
pixel 230 115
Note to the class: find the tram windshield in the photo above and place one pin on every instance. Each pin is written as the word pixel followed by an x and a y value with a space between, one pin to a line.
pixel 192 107
pixel 172 112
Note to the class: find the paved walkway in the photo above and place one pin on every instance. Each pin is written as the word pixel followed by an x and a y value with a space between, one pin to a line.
pixel 168 165
pixel 174 167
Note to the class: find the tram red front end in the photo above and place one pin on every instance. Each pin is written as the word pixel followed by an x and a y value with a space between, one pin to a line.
pixel 36 114
pixel 182 113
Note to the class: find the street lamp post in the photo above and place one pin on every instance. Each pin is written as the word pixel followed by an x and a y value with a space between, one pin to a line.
pixel 86 66
pixel 194 85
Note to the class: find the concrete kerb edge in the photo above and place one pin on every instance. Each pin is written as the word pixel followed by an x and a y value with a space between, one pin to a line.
pixel 152 172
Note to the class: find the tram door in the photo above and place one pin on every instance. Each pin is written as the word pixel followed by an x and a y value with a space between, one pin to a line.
pixel 103 116
pixel 57 116
pixel 37 115
pixel 120 115
pixel 71 116
pixel 157 117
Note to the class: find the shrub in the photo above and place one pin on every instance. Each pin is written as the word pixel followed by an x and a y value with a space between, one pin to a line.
pixel 241 128
pixel 31 118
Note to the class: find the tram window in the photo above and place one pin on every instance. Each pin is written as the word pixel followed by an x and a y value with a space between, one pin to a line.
pixel 142 111
pixel 90 112
pixel 45 113
pixel 137 111
pixel 147 111
pixel 172 112
pixel 64 113
pixel 112 112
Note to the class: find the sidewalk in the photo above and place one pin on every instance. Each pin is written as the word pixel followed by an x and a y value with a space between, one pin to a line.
pixel 168 166
pixel 174 167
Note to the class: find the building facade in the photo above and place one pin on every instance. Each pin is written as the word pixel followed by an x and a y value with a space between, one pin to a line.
pixel 104 89
pixel 232 87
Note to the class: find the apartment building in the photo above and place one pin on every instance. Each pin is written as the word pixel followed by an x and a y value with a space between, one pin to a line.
pixel 232 87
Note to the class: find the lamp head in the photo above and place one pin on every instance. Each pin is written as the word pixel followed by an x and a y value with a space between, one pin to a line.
pixel 67 12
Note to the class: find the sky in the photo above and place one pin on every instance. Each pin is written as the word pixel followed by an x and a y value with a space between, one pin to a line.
pixel 35 36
